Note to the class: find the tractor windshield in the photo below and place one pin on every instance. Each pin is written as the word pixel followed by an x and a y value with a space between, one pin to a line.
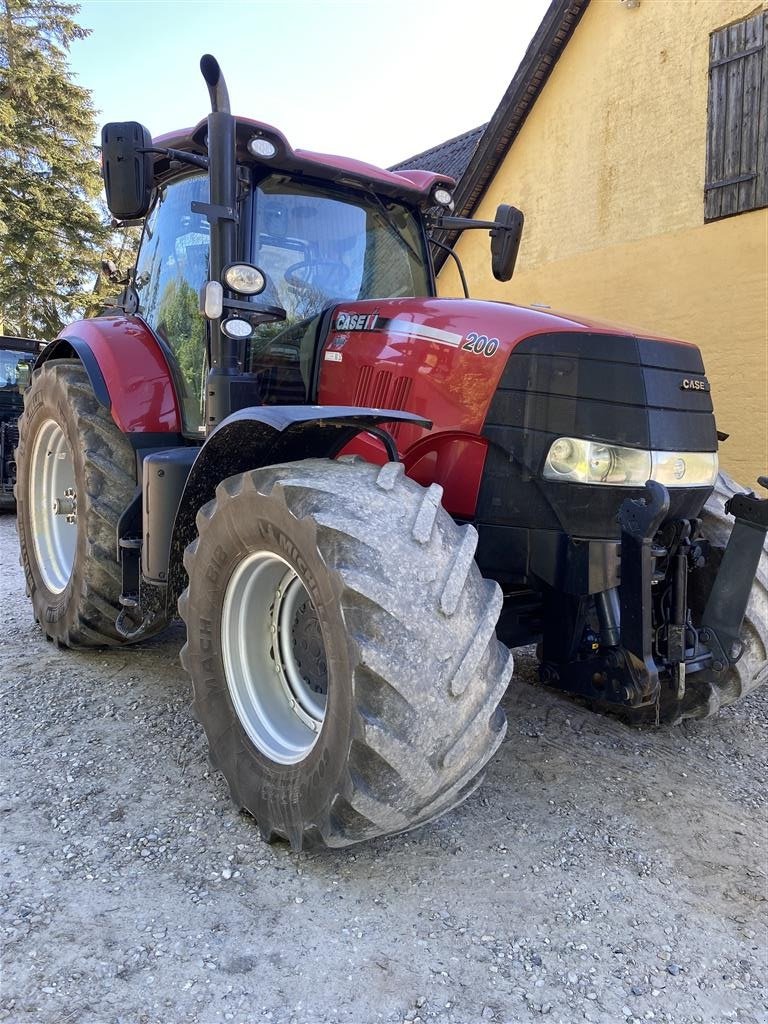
pixel 319 246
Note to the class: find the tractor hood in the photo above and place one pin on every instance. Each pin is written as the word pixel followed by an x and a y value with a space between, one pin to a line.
pixel 515 379
pixel 462 363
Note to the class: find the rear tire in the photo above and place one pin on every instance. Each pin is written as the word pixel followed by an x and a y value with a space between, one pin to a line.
pixel 72 574
pixel 408 714
pixel 706 692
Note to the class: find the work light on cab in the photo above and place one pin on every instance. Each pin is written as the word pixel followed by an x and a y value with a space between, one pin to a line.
pixel 443 197
pixel 261 147
pixel 244 279
pixel 235 327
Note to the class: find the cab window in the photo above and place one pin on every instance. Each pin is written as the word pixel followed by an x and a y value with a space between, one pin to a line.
pixel 172 267
pixel 319 246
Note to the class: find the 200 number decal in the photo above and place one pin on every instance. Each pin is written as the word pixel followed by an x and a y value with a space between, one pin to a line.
pixel 480 344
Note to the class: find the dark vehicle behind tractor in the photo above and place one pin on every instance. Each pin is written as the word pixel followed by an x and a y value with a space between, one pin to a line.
pixel 359 496
pixel 17 356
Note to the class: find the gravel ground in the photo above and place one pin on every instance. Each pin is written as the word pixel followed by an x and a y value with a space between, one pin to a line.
pixel 600 874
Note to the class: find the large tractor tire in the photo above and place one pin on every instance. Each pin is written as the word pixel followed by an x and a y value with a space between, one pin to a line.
pixel 706 692
pixel 342 649
pixel 76 475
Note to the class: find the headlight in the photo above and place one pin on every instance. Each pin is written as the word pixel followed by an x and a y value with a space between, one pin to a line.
pixel 574 460
pixel 684 469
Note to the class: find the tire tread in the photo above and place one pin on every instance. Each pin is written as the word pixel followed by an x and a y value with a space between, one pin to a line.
pixel 428 672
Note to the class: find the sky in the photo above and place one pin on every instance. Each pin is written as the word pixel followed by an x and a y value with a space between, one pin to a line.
pixel 379 81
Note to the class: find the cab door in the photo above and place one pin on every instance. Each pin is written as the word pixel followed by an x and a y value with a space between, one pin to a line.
pixel 171 268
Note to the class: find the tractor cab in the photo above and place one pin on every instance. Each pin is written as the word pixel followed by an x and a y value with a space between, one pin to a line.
pixel 303 247
pixel 249 244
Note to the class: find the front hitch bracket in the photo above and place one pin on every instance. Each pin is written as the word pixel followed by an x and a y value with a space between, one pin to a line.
pixel 640 519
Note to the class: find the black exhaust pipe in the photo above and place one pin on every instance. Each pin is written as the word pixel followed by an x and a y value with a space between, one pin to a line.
pixel 217 87
pixel 222 215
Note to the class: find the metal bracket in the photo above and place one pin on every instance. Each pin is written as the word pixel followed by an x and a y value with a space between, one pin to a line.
pixel 214 212
pixel 640 519
pixel 728 598
pixel 749 508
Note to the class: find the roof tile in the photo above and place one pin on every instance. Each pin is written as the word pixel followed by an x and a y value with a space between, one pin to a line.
pixel 450 157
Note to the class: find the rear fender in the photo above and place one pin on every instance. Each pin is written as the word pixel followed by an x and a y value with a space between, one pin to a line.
pixel 264 436
pixel 128 370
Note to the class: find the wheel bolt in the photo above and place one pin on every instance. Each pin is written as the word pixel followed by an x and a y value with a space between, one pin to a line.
pixel 64 506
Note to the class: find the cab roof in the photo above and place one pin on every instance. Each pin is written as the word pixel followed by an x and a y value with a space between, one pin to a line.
pixel 411 186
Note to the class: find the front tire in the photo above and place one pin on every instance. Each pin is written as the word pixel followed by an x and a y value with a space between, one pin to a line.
pixel 362 575
pixel 76 475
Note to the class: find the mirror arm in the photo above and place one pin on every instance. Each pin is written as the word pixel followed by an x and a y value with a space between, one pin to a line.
pixel 177 154
pixel 465 223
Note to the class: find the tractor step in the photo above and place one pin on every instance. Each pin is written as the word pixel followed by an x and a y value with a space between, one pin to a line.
pixel 130 551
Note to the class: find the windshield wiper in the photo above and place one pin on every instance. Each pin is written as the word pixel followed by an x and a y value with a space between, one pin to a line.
pixel 389 221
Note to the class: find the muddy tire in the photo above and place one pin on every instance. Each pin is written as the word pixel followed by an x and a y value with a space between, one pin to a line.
pixel 69 443
pixel 399 673
pixel 706 692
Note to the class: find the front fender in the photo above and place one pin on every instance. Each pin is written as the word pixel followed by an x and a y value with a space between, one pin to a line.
pixel 264 436
pixel 128 370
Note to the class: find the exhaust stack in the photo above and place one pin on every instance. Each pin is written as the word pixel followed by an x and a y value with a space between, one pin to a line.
pixel 217 87
pixel 221 212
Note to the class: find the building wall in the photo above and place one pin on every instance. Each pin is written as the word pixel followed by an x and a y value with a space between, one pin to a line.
pixel 609 170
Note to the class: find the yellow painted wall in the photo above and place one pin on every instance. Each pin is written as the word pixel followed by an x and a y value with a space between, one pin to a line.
pixel 609 170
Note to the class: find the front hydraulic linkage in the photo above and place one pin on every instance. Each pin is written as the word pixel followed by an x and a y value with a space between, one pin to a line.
pixel 727 601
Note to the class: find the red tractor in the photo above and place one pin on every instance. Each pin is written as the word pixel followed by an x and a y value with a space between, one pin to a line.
pixel 360 496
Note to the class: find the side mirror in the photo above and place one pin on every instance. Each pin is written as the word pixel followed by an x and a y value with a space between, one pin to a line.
pixel 111 272
pixel 127 169
pixel 505 241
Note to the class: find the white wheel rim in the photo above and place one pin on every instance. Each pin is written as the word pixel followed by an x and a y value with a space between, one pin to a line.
pixel 53 506
pixel 274 657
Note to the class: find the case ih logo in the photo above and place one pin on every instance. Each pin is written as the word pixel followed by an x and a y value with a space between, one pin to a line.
pixel 356 321
pixel 694 384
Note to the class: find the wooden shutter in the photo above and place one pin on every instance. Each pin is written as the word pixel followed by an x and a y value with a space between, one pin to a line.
pixel 737 130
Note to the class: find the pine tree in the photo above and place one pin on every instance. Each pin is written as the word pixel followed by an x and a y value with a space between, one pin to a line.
pixel 51 226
